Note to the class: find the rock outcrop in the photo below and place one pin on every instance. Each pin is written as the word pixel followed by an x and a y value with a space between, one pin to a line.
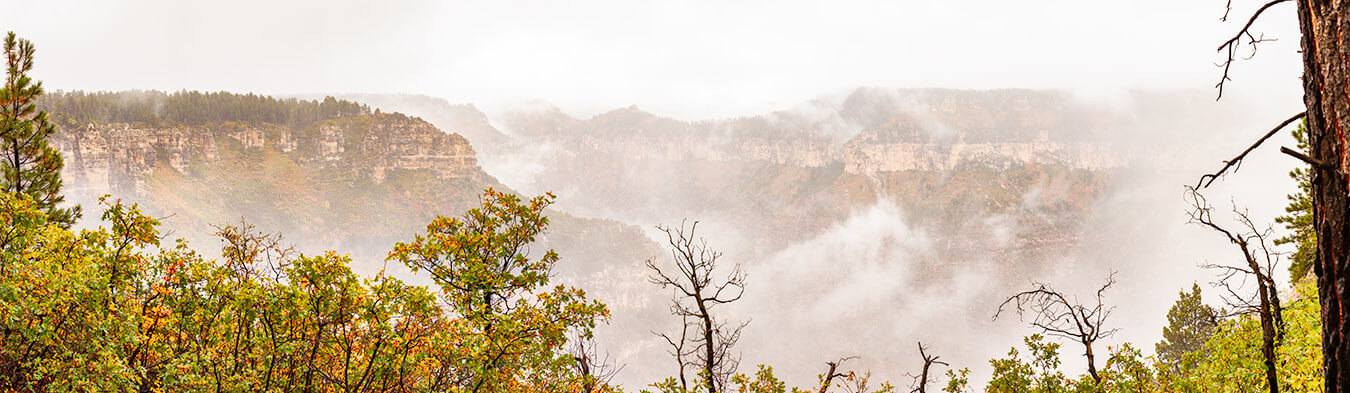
pixel 120 158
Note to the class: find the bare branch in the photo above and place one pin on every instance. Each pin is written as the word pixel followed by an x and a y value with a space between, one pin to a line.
pixel 705 341
pixel 1316 163
pixel 1232 44
pixel 1053 314
pixel 1259 263
pixel 1236 162
pixel 595 370
pixel 920 384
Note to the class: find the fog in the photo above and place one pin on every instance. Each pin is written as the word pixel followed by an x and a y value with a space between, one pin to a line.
pixel 699 59
pixel 857 287
pixel 866 285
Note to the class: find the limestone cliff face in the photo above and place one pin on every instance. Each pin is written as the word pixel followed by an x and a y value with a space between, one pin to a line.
pixel 120 158
pixel 397 142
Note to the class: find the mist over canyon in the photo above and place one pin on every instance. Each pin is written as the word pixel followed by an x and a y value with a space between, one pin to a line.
pixel 867 219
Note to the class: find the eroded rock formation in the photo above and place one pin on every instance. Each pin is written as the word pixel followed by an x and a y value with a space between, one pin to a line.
pixel 120 158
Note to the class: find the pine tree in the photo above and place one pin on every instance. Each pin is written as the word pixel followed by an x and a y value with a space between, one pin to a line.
pixel 1189 324
pixel 30 166
pixel 1300 218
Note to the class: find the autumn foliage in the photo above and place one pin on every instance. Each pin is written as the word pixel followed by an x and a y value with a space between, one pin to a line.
pixel 118 308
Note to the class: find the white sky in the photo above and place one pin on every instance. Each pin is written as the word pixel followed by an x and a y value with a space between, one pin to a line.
pixel 679 58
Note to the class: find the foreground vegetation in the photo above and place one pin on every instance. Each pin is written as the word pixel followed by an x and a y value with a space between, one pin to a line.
pixel 118 308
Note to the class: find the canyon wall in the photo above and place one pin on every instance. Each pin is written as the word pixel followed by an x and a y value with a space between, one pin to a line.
pixel 120 158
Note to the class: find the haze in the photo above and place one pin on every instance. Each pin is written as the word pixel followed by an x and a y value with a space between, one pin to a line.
pixel 688 59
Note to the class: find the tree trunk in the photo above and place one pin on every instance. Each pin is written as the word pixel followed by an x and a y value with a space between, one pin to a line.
pixel 1326 87
pixel 1268 339
pixel 829 377
pixel 708 346
pixel 923 378
pixel 1092 364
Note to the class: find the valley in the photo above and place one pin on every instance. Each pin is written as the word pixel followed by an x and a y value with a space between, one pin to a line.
pixel 850 207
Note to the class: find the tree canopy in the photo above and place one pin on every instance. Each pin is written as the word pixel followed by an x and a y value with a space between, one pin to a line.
pixel 118 309
pixel 156 108
pixel 28 164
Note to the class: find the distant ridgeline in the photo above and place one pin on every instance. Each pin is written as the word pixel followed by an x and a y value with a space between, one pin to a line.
pixel 302 167
pixel 157 108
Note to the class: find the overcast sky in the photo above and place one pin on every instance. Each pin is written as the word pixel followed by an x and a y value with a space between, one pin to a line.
pixel 680 58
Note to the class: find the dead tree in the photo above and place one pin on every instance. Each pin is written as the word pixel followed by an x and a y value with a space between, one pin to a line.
pixel 1323 26
pixel 681 349
pixel 920 384
pixel 1055 315
pixel 247 251
pixel 698 287
pixel 849 381
pixel 1258 265
pixel 832 372
pixel 596 370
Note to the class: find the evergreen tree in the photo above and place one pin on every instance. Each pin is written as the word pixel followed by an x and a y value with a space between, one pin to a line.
pixel 30 166
pixel 1189 324
pixel 1300 218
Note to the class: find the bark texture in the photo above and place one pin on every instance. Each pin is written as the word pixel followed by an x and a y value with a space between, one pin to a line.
pixel 1326 90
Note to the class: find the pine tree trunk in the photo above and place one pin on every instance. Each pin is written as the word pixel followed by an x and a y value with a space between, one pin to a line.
pixel 1326 88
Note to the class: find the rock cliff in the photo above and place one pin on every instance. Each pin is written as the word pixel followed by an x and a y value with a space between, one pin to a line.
pixel 327 174
pixel 120 158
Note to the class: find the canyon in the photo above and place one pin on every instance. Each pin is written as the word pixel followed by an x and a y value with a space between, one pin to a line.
pixel 941 181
